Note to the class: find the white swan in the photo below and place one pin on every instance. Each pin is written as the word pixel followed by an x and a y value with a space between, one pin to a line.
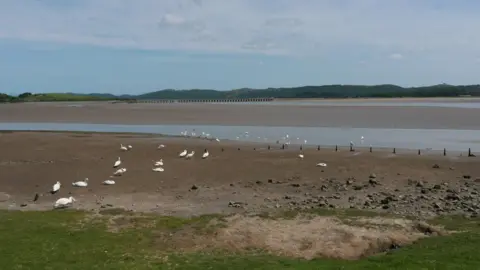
pixel 321 165
pixel 301 156
pixel 205 154
pixel 109 182
pixel 159 163
pixel 119 171
pixel 190 155
pixel 123 148
pixel 64 202
pixel 56 187
pixel 83 183
pixel 183 153
pixel 129 147
pixel 158 169
pixel 161 146
pixel 117 163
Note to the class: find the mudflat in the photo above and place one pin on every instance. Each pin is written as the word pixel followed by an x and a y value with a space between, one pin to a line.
pixel 236 177
pixel 244 114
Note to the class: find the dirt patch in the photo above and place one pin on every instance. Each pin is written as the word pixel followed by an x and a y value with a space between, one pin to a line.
pixel 307 237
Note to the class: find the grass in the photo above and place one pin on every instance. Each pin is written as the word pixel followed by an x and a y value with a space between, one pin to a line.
pixel 70 240
pixel 62 97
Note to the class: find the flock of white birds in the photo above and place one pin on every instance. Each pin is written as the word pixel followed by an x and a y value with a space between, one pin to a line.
pixel 158 166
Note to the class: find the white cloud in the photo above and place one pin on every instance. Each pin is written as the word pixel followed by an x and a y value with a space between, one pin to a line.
pixel 396 56
pixel 305 27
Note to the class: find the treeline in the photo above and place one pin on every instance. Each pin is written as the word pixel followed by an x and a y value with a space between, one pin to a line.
pixel 325 91
pixel 29 97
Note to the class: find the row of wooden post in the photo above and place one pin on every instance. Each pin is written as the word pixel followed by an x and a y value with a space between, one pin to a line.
pixel 470 154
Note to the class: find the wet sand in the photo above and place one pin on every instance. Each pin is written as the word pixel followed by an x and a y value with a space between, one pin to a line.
pixel 244 115
pixel 236 177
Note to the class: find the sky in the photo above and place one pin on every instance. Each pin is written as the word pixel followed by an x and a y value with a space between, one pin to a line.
pixel 138 46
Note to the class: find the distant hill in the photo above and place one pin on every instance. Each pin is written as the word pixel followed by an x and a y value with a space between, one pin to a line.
pixel 324 91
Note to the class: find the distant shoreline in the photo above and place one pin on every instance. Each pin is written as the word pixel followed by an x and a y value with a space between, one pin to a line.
pixel 353 100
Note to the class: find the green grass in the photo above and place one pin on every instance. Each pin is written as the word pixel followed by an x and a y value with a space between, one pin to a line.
pixel 67 240
pixel 62 97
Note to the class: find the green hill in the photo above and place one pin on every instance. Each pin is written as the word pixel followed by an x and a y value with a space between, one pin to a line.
pixel 324 91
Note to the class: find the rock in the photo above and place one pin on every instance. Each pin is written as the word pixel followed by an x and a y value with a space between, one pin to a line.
pixel 258 182
pixel 420 184
pixel 437 206
pixel 452 197
pixel 270 181
pixel 357 187
pixel 372 176
pixel 194 187
pixel 373 182
pixel 4 197
pixel 23 205
pixel 295 185
pixel 387 200
pixel 235 204
pixel 436 166
pixel 466 176
pixel 437 187
pixel 349 182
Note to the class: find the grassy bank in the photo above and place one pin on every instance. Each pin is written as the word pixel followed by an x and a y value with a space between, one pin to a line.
pixel 76 240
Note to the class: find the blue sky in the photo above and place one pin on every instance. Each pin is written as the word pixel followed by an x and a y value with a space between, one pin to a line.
pixel 137 46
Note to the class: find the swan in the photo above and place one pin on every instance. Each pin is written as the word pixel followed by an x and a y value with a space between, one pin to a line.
pixel 83 183
pixel 158 169
pixel 217 139
pixel 159 163
pixel 161 146
pixel 129 147
pixel 123 148
pixel 205 154
pixel 119 171
pixel 109 182
pixel 184 153
pixel 190 155
pixel 321 165
pixel 64 202
pixel 117 163
pixel 56 187
pixel 301 156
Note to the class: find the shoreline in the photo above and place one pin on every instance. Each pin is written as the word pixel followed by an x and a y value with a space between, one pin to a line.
pixel 258 145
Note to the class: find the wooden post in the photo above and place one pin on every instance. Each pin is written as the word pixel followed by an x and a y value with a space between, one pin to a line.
pixel 370 149
pixel 268 147
pixel 394 150
pixel 301 148
pixel 336 148
pixel 419 152
pixel 283 146
pixel 318 148
pixel 444 152
pixel 351 148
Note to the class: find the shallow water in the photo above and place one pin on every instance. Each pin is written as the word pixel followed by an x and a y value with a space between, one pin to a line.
pixel 453 140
